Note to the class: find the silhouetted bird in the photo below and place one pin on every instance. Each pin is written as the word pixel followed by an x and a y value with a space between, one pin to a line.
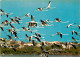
pixel 12 26
pixel 1 28
pixel 74 46
pixel 18 18
pixel 32 23
pixel 15 33
pixel 79 26
pixel 40 9
pixel 27 15
pixel 9 37
pixel 34 43
pixel 37 34
pixel 74 32
pixel 37 38
pixel 29 38
pixel 57 45
pixel 73 38
pixel 44 23
pixel 69 25
pixel 58 20
pixel 42 43
pixel 59 33
pixel 1 10
pixel 26 29
pixel 17 21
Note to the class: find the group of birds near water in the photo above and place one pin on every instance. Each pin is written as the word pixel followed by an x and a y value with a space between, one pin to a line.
pixel 32 24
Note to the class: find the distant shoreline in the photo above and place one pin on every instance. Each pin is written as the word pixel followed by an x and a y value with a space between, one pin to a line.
pixel 31 50
pixel 35 54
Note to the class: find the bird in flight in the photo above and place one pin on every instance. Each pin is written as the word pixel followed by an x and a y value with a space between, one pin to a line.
pixel 32 23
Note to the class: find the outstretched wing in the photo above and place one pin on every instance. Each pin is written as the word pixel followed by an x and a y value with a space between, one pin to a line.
pixel 26 35
pixel 74 46
pixel 2 28
pixel 32 18
pixel 1 10
pixel 76 33
pixel 72 33
pixel 61 35
pixel 73 38
pixel 41 20
pixel 49 4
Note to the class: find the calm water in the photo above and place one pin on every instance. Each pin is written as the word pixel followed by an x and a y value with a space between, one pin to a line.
pixel 66 10
pixel 38 56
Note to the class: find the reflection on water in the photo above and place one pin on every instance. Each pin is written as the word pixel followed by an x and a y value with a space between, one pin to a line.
pixel 37 56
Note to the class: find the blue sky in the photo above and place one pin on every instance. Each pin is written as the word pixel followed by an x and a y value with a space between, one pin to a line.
pixel 66 10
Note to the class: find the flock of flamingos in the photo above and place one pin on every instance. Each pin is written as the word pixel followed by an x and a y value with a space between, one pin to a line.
pixel 37 36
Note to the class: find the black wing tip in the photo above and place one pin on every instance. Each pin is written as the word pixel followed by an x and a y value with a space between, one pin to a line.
pixel 49 1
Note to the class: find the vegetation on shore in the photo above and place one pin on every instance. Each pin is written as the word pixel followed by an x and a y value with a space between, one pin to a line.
pixel 32 50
